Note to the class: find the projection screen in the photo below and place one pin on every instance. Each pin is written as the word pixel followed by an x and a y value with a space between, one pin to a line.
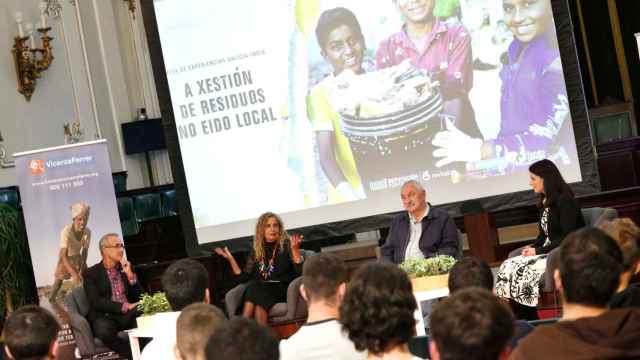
pixel 319 110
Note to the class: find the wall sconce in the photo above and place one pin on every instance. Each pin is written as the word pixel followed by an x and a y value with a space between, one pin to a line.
pixel 132 7
pixel 31 61
pixel 4 163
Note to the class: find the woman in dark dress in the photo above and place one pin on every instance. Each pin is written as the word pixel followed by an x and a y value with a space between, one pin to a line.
pixel 274 262
pixel 519 276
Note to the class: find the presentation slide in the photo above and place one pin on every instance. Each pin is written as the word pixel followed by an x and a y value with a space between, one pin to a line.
pixel 319 110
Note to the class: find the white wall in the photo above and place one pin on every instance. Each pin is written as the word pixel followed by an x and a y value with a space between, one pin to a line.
pixel 100 76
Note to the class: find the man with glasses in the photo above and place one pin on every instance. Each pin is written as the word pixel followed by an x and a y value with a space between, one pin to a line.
pixel 113 292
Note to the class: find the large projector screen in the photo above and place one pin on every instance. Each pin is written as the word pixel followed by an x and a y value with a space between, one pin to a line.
pixel 319 110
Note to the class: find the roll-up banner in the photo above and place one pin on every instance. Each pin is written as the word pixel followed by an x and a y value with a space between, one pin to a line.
pixel 69 202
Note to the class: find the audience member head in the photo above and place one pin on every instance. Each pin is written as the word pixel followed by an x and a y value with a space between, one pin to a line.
pixel 414 197
pixel 269 229
pixel 185 282
pixel 324 279
pixel 340 39
pixel 195 325
pixel 30 333
pixel 627 234
pixel 470 324
pixel 470 272
pixel 589 269
pixel 546 180
pixel 378 308
pixel 111 248
pixel 243 339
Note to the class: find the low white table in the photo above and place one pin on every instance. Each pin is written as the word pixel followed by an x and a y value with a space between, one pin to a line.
pixel 134 336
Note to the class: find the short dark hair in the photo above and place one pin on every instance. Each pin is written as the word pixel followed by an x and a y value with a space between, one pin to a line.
pixel 30 331
pixel 185 282
pixel 243 339
pixel 332 19
pixel 470 272
pixel 590 267
pixel 554 185
pixel 378 308
pixel 322 274
pixel 196 324
pixel 471 324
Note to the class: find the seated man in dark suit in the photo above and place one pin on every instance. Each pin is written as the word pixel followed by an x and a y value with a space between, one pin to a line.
pixel 113 293
pixel 421 232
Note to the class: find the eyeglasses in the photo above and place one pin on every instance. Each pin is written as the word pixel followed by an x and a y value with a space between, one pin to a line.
pixel 117 246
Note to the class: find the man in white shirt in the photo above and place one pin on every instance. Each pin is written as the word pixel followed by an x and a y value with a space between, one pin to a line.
pixel 185 282
pixel 324 278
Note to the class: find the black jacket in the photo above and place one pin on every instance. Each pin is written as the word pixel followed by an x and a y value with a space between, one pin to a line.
pixel 564 217
pixel 285 270
pixel 439 236
pixel 630 297
pixel 98 289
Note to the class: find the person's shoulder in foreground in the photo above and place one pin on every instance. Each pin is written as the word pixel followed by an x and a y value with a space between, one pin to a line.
pixel 324 278
pixel 612 335
pixel 320 340
pixel 588 275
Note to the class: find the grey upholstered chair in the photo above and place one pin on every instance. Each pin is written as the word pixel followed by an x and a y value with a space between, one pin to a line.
pixel 596 215
pixel 77 306
pixel 592 217
pixel 459 255
pixel 294 308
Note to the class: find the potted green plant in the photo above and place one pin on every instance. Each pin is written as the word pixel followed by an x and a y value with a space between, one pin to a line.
pixel 151 305
pixel 17 285
pixel 438 265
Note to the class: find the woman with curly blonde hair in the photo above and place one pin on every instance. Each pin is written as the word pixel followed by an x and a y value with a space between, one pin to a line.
pixel 274 262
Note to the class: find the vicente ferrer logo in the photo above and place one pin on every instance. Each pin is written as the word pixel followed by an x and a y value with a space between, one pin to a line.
pixel 36 166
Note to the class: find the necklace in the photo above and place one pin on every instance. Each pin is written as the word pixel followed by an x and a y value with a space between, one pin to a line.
pixel 266 270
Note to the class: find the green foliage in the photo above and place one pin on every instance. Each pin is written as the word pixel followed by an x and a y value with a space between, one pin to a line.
pixel 153 304
pixel 428 267
pixel 16 273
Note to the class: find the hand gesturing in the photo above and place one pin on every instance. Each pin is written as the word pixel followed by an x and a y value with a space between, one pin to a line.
pixel 224 252
pixel 295 241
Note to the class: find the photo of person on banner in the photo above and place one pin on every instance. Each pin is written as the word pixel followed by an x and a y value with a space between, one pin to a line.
pixel 75 239
pixel 342 45
pixel 534 106
pixel 441 48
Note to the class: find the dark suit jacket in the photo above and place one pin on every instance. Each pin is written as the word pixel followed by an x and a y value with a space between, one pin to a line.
pixel 565 216
pixel 98 289
pixel 439 236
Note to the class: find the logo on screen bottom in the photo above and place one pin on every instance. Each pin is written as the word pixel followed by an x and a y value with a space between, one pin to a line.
pixel 36 166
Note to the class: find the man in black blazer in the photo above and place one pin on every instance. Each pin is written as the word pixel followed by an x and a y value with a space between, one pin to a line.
pixel 422 232
pixel 113 292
